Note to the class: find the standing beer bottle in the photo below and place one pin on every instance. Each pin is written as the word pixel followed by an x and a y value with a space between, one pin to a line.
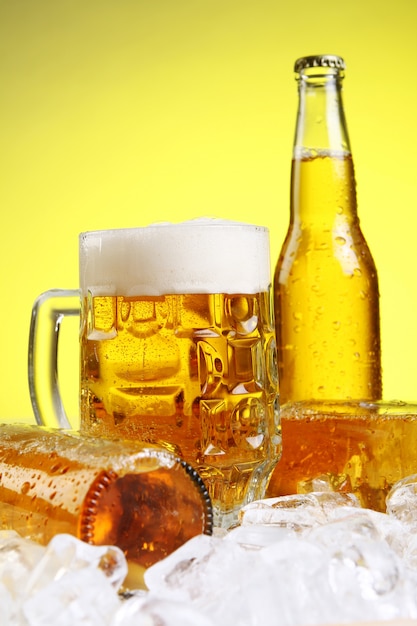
pixel 326 286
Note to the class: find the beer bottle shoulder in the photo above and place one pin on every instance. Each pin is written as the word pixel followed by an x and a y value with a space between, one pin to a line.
pixel 342 250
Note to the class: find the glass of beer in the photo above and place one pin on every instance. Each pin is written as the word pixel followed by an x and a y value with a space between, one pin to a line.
pixel 357 446
pixel 177 347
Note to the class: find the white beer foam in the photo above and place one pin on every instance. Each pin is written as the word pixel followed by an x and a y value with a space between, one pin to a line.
pixel 197 256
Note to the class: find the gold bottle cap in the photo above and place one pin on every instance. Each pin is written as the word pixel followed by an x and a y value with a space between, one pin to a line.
pixel 319 60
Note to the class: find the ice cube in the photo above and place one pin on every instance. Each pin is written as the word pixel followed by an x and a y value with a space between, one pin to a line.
pixel 401 501
pixel 18 557
pixel 153 611
pixel 68 582
pixel 65 553
pixel 255 536
pixel 82 596
pixel 323 559
pixel 296 511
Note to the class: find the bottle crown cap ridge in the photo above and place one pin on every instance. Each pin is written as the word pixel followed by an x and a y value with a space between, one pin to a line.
pixel 319 60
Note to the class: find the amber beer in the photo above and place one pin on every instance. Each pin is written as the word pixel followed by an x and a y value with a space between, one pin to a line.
pixel 327 308
pixel 357 447
pixel 326 289
pixel 141 498
pixel 325 284
pixel 178 348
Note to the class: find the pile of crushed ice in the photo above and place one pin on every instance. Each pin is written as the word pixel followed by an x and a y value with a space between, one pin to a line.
pixel 297 560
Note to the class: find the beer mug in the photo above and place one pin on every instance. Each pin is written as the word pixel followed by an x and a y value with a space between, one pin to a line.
pixel 177 347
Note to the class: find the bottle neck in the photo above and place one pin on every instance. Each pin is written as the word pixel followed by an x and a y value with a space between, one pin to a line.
pixel 321 126
pixel 323 190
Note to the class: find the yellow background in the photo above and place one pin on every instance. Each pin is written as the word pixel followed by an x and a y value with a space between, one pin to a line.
pixel 119 113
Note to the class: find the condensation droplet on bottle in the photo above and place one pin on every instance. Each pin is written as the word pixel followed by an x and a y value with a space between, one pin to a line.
pixel 356 356
pixel 340 240
pixel 297 329
pixel 357 271
pixel 297 315
pixel 339 210
pixel 336 325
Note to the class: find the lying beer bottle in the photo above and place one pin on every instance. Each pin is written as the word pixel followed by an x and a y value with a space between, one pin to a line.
pixel 326 286
pixel 139 497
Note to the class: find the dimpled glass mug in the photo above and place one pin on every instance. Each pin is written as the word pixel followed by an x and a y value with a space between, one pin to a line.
pixel 177 347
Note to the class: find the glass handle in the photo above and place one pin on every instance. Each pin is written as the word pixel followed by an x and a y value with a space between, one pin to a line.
pixel 48 312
